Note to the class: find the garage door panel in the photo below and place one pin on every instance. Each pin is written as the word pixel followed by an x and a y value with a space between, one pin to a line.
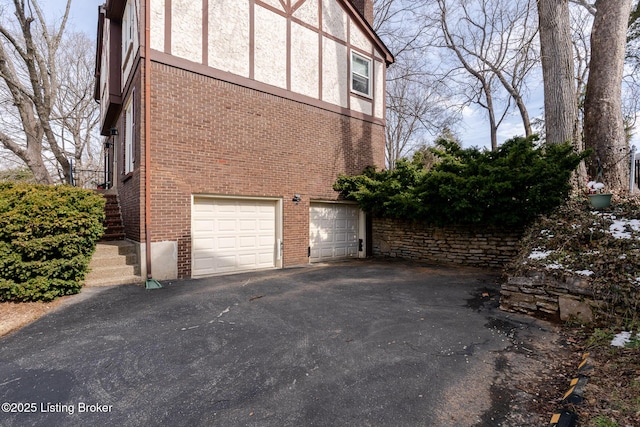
pixel 232 235
pixel 247 225
pixel 326 252
pixel 247 259
pixel 247 242
pixel 225 242
pixel 265 225
pixel 226 225
pixel 203 225
pixel 333 231
pixel 202 244
pixel 341 238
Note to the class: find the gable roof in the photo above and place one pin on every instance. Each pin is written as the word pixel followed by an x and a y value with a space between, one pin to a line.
pixel 368 30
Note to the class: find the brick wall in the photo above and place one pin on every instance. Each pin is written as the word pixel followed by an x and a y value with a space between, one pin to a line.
pixel 365 7
pixel 213 137
pixel 472 246
pixel 131 186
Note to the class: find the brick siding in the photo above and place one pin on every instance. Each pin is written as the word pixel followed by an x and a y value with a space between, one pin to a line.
pixel 217 138
pixel 131 187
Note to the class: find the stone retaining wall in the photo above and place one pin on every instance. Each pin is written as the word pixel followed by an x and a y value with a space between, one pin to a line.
pixel 542 294
pixel 472 246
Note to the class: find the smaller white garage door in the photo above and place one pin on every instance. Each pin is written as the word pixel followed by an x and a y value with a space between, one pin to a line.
pixel 333 231
pixel 231 235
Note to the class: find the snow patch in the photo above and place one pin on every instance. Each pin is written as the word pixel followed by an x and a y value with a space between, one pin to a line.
pixel 622 339
pixel 584 272
pixel 622 228
pixel 536 254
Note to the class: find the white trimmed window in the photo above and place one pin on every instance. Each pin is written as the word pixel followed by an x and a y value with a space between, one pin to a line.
pixel 128 22
pixel 360 75
pixel 129 135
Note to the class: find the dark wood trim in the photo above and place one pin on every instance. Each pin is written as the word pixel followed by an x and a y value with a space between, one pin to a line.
pixel 252 38
pixel 288 53
pixel 183 64
pixel 205 32
pixel 320 50
pixel 99 49
pixel 368 30
pixel 297 5
pixel 115 9
pixel 384 95
pixel 167 26
pixel 349 83
pixel 271 8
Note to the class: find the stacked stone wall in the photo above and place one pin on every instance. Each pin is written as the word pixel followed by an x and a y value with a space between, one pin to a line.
pixel 546 294
pixel 543 294
pixel 471 246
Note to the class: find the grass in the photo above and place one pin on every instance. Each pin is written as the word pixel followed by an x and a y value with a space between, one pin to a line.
pixel 603 422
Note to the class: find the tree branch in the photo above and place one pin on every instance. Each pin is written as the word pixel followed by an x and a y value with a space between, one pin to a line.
pixel 591 7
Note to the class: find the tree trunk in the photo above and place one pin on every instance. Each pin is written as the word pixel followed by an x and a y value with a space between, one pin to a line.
pixel 603 122
pixel 560 109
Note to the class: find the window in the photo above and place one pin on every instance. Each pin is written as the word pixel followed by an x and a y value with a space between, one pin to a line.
pixel 360 75
pixel 128 22
pixel 129 136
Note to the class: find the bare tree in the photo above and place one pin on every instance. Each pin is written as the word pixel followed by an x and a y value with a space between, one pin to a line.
pixel 415 109
pixel 493 41
pixel 29 79
pixel 415 101
pixel 76 115
pixel 604 129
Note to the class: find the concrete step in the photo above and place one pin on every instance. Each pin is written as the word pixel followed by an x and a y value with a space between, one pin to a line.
pixel 124 280
pixel 99 273
pixel 121 247
pixel 108 260
pixel 113 263
pixel 112 237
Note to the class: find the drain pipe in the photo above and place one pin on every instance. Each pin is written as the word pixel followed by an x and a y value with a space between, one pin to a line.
pixel 150 282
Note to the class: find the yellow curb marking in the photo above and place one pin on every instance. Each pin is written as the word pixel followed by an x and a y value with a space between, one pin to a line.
pixel 569 392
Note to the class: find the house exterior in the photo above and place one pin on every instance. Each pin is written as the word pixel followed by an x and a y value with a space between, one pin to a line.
pixel 226 123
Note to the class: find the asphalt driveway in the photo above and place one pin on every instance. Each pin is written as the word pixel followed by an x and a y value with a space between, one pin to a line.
pixel 359 343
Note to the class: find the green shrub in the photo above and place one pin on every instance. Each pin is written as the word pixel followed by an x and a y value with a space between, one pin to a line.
pixel 47 237
pixel 507 187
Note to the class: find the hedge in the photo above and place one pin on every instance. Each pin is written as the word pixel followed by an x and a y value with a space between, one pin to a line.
pixel 47 237
pixel 508 187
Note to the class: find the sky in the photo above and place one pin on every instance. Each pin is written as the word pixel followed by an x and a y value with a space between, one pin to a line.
pixel 83 16
pixel 474 130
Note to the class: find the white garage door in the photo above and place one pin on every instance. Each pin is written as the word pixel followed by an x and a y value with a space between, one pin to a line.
pixel 231 235
pixel 333 231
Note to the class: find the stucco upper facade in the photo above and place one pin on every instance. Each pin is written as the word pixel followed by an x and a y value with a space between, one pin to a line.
pixel 298 48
